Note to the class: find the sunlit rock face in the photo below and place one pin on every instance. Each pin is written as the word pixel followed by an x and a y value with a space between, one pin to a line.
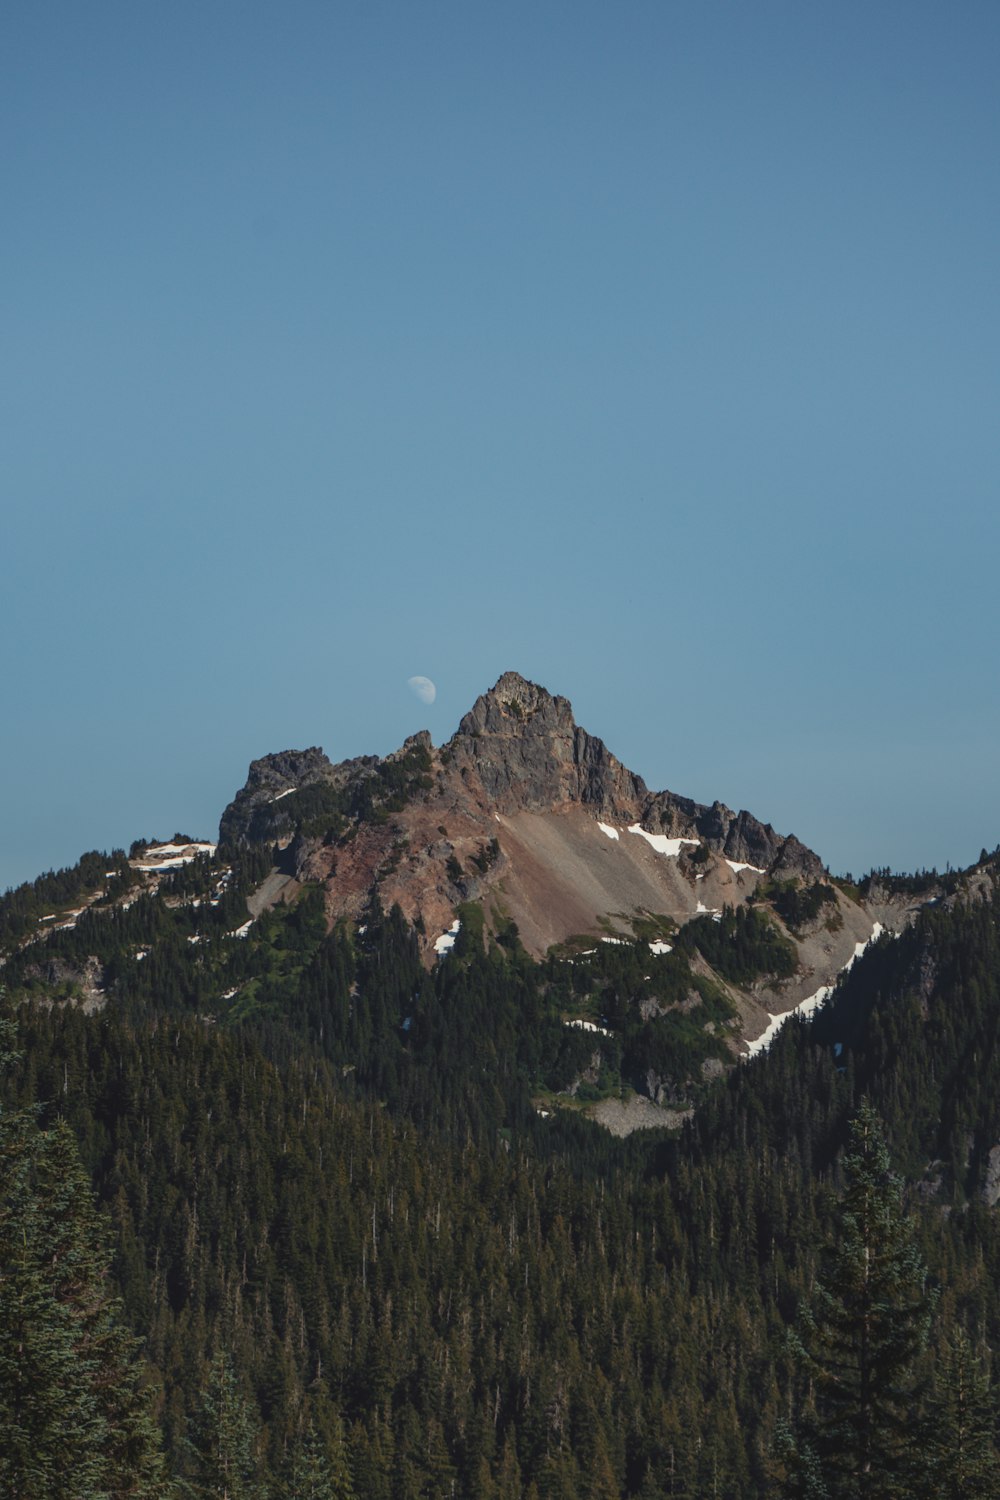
pixel 521 811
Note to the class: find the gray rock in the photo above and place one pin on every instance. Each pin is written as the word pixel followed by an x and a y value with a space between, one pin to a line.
pixel 258 814
pixel 529 754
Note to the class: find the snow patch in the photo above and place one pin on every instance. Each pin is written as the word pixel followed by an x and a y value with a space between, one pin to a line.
pixel 154 851
pixel 446 941
pixel 170 856
pixel 620 942
pixel 811 1003
pixel 582 1025
pixel 241 932
pixel 660 947
pixel 736 867
pixel 659 841
pixel 286 793
pixel 612 833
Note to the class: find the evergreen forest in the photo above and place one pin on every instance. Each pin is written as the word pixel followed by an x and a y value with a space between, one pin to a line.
pixel 285 1214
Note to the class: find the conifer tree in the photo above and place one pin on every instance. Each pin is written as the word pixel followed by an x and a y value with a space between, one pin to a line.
pixel 860 1337
pixel 225 1439
pixel 319 1473
pixel 961 1456
pixel 73 1412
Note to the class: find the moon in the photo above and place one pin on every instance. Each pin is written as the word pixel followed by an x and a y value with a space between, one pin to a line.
pixel 422 688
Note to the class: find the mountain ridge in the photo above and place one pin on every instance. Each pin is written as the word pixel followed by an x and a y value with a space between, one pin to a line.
pixel 518 751
pixel 522 833
pixel 525 815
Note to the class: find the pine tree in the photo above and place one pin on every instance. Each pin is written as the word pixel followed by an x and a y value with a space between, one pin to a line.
pixel 320 1471
pixel 860 1337
pixel 74 1415
pixel 225 1438
pixel 961 1457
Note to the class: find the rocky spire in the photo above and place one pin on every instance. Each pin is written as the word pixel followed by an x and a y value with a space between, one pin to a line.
pixel 527 751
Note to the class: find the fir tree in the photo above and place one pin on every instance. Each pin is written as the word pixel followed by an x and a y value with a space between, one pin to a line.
pixel 961 1457
pixel 860 1337
pixel 225 1439
pixel 319 1473
pixel 73 1411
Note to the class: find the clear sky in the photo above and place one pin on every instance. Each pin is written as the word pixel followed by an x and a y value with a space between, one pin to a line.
pixel 651 350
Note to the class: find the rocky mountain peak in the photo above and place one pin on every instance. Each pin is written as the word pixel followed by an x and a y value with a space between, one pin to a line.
pixel 287 768
pixel 421 741
pixel 522 812
pixel 524 747
pixel 512 704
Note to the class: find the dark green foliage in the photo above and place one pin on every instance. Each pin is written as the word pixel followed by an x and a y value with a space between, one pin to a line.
pixel 224 1440
pixel 396 782
pixel 957 1441
pixel 21 909
pixel 349 1194
pixel 796 905
pixel 369 796
pixel 74 1415
pixel 919 1025
pixel 742 946
pixel 860 1334
pixel 487 856
pixel 664 1019
pixel 324 810
pixel 654 928
pixel 318 1471
pixel 920 883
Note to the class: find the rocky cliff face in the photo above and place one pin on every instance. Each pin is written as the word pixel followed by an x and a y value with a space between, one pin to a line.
pixel 528 754
pixel 523 748
pixel 260 814
pixel 521 811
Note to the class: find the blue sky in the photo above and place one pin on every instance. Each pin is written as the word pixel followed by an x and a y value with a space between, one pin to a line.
pixel 650 350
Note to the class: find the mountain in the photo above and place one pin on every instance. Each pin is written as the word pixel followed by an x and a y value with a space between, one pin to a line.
pixel 535 821
pixel 665 938
pixel 351 1200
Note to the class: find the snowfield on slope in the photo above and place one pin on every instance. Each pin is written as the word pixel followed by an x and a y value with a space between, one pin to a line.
pixel 446 941
pixel 811 1003
pixel 659 841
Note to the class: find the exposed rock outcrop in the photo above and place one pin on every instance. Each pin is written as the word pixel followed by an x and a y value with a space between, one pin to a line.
pixel 528 754
pixel 522 811
pixel 258 814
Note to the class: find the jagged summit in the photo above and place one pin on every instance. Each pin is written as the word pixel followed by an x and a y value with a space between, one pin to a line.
pixel 525 832
pixel 527 751
pixel 522 812
pixel 513 694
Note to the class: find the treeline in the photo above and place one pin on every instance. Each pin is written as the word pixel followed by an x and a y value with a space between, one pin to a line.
pixel 23 907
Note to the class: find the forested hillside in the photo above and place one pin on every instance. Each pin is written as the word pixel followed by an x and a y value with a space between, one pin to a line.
pixel 355 1233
